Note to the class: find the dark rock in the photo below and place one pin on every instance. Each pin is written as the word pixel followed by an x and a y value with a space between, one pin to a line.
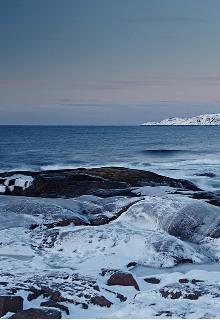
pixel 46 292
pixel 183 280
pixel 33 296
pixel 119 296
pixel 109 272
pixel 104 182
pixel 122 279
pixel 63 223
pixel 37 313
pixel 175 292
pixel 34 226
pixel 166 313
pixel 53 304
pixel 131 264
pixel 96 287
pixel 11 182
pixel 206 174
pixel 54 295
pixel 195 281
pixel 210 197
pixel 100 220
pixel 193 295
pixel 180 260
pixel 170 294
pixel 101 301
pixel 152 280
pixel 10 304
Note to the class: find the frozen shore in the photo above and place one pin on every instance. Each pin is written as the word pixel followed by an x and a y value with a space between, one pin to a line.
pixel 108 242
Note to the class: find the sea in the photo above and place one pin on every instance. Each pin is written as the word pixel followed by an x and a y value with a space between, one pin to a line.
pixel 189 152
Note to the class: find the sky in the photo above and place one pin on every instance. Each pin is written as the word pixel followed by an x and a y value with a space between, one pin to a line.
pixel 110 62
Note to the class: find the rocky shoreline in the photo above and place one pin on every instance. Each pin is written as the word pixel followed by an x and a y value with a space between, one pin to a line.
pixel 71 241
pixel 103 182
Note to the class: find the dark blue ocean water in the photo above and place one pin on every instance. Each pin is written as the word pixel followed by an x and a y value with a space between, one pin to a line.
pixel 172 150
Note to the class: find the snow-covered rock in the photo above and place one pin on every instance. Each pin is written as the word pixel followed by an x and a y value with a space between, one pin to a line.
pixel 15 181
pixel 155 233
pixel 201 120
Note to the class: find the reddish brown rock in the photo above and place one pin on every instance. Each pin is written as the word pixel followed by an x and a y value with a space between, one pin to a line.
pixel 54 295
pixel 53 304
pixel 185 293
pixel 122 279
pixel 10 304
pixel 37 313
pixel 46 292
pixel 101 301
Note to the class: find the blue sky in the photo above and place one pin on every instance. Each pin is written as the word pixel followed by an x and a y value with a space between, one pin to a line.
pixel 108 61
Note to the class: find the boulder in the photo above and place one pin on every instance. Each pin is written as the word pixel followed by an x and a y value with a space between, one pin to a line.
pixel 122 279
pixel 101 301
pixel 53 304
pixel 10 304
pixel 37 313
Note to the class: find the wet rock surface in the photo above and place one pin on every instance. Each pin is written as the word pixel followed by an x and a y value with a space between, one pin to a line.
pixel 102 182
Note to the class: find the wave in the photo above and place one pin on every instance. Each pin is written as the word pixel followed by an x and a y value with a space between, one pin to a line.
pixel 168 152
pixel 64 166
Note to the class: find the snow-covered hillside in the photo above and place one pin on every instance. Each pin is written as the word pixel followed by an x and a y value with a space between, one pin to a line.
pixel 202 120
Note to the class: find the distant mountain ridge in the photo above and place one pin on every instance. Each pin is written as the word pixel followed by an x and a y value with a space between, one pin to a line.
pixel 201 120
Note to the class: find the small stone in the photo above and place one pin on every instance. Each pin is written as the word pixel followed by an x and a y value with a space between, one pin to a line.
pixel 101 301
pixel 152 280
pixel 131 264
pixel 183 280
pixel 194 281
